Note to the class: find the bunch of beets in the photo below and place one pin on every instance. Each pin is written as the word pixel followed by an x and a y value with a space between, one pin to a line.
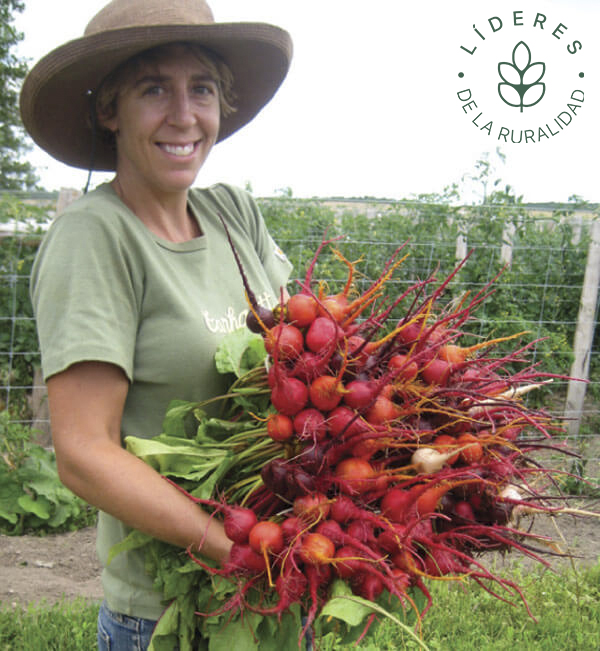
pixel 402 452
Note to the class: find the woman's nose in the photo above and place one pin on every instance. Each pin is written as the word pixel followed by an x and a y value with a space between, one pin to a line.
pixel 181 109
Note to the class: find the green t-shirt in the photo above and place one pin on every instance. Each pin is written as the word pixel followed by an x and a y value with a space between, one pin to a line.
pixel 105 288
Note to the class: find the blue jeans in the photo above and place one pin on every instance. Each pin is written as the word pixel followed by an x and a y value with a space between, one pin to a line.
pixel 118 632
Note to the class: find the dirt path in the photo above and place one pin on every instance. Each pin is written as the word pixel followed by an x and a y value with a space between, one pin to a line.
pixel 34 569
pixel 577 536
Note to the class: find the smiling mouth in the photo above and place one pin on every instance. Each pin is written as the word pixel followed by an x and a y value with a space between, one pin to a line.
pixel 179 150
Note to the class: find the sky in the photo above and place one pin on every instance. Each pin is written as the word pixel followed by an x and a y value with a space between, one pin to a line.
pixel 382 101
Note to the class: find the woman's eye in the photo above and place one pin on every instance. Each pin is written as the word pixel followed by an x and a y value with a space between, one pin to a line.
pixel 153 90
pixel 205 89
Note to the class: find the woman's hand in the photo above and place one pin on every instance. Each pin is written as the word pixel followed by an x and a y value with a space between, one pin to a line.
pixel 86 406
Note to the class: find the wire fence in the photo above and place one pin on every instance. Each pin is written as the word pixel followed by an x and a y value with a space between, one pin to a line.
pixel 541 291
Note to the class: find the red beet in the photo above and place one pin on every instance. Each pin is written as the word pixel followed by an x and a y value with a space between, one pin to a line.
pixel 289 395
pixel 383 411
pixel 309 424
pixel 348 562
pixel 244 560
pixel 322 334
pixel 464 511
pixel 345 422
pixel 311 508
pixel 308 366
pixel 316 549
pixel 291 528
pixel 343 509
pixel 332 530
pixel 326 392
pixel 301 310
pixel 287 339
pixel 280 427
pixel 368 585
pixel 238 522
pixel 266 536
pixel 437 371
pixel 395 504
pixel 354 475
pixel 359 394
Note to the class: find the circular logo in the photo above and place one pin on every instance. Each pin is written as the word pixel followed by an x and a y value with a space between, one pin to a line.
pixel 521 77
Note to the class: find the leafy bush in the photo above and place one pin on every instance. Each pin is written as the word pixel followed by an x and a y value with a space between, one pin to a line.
pixel 32 498
pixel 18 338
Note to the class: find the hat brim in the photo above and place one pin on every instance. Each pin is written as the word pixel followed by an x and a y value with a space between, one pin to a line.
pixel 54 99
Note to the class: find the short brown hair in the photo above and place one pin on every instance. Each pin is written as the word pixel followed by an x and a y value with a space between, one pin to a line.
pixel 108 91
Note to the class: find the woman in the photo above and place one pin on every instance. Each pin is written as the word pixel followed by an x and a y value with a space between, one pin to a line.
pixel 135 283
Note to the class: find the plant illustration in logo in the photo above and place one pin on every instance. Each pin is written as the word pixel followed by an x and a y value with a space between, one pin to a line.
pixel 521 84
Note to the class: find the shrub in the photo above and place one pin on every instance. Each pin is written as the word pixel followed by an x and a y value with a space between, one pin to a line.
pixel 32 498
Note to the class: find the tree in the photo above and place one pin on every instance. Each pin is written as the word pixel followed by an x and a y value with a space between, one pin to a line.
pixel 482 177
pixel 15 174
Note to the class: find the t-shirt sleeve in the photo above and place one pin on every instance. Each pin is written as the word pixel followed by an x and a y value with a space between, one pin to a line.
pixel 276 264
pixel 83 294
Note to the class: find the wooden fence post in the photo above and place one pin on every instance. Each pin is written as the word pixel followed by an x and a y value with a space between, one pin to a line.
pixel 40 416
pixel 506 251
pixel 65 197
pixel 584 334
pixel 461 246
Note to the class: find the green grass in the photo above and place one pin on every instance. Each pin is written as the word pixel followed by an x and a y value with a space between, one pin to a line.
pixel 565 605
pixel 67 626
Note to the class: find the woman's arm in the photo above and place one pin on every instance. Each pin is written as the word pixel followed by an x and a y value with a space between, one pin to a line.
pixel 86 404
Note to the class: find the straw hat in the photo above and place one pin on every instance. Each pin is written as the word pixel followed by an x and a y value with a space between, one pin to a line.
pixel 55 94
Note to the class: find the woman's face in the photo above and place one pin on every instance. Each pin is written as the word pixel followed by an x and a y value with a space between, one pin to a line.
pixel 166 122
